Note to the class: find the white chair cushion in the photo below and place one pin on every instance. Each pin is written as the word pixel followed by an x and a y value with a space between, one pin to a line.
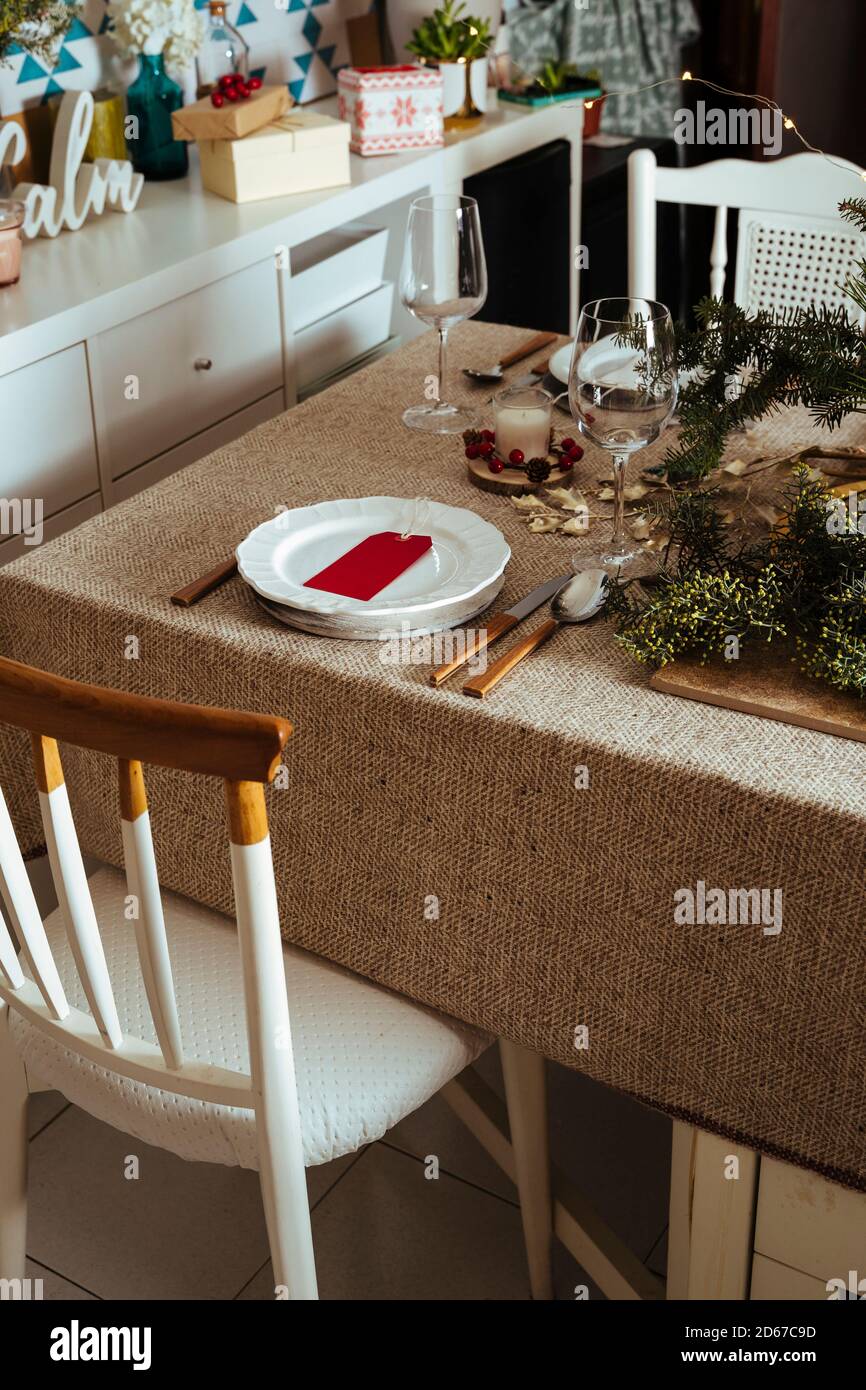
pixel 364 1057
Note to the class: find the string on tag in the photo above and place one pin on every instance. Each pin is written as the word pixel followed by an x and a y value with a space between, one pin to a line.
pixel 417 516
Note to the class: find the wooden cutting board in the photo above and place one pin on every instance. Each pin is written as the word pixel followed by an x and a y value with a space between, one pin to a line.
pixel 764 681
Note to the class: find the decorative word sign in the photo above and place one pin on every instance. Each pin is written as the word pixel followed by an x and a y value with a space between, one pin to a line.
pixel 74 191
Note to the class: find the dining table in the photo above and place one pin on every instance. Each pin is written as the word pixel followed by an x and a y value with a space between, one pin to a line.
pixel 512 861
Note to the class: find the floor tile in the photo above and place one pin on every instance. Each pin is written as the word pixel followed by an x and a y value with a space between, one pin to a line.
pixel 387 1232
pixel 42 1108
pixel 181 1230
pixel 657 1260
pixel 54 1286
pixel 435 1129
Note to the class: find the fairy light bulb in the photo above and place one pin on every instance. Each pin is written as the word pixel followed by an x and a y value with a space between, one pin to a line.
pixel 589 105
pixel 686 77
pixel 789 124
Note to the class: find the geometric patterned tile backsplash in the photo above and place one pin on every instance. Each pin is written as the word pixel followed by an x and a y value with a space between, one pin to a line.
pixel 303 43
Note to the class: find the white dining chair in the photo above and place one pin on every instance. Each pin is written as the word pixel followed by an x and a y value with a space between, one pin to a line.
pixel 209 1038
pixel 793 248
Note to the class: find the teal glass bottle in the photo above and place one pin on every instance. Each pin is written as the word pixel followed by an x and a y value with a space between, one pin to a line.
pixel 151 99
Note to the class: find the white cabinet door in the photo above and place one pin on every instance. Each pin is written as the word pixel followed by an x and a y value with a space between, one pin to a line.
pixel 167 375
pixel 47 450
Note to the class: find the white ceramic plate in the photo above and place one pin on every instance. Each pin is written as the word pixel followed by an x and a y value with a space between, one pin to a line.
pixel 277 558
pixel 560 362
pixel 385 628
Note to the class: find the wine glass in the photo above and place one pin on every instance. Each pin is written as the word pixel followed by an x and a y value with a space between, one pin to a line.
pixel 622 390
pixel 443 280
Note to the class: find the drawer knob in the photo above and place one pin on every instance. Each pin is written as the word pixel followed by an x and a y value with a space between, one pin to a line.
pixel 203 364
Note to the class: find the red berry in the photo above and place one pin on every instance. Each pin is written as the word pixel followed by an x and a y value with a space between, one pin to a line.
pixel 217 99
pixel 226 81
pixel 516 457
pixel 565 464
pixel 495 465
pixel 488 436
pixel 254 84
pixel 568 444
pixel 472 451
pixel 242 90
pixel 590 419
pixel 575 453
pixel 230 94
pixel 486 448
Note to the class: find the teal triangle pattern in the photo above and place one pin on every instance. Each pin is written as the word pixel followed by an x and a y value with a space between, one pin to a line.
pixel 295 5
pixel 13 49
pixel 77 30
pixel 303 61
pixel 246 16
pixel 319 2
pixel 327 54
pixel 105 26
pixel 51 90
pixel 31 71
pixel 296 88
pixel 66 62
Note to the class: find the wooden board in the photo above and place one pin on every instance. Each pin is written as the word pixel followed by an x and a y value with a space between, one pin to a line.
pixel 764 681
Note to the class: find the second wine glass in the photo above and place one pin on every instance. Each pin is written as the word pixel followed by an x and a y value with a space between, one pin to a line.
pixel 622 390
pixel 443 280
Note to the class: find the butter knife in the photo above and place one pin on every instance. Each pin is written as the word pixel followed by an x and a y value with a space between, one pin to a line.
pixel 498 625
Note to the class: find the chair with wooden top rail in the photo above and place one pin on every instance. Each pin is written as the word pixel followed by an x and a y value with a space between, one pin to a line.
pixel 139 1007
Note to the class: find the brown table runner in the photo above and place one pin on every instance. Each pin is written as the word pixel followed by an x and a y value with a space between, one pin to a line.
pixel 445 846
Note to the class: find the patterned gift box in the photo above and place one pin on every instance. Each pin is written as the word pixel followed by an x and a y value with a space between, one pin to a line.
pixel 391 108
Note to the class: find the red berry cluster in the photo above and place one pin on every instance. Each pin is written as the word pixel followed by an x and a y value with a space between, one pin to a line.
pixel 234 87
pixel 482 444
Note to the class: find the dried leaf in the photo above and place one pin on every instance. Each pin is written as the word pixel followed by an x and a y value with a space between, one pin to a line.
pixel 606 494
pixel 545 523
pixel 529 502
pixel 565 498
pixel 576 525
pixel 634 491
pixel 736 466
pixel 640 528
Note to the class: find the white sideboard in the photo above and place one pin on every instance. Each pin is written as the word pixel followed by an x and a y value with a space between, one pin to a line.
pixel 147 340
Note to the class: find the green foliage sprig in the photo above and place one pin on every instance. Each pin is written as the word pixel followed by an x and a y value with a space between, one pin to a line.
pixel 805 585
pixel 448 35
pixel 35 26
pixel 813 357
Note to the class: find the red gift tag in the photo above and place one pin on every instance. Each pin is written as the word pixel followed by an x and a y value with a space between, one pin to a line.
pixel 370 565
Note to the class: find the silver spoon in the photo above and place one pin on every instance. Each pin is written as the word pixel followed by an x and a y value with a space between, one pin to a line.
pixel 580 598
pixel 526 349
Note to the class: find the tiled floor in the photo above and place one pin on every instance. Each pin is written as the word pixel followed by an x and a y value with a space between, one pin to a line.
pixel 382 1228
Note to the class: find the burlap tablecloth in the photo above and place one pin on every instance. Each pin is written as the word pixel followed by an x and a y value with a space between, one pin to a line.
pixel 555 903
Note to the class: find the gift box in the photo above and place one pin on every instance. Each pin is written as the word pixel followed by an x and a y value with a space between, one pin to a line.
pixel 391 108
pixel 204 121
pixel 299 152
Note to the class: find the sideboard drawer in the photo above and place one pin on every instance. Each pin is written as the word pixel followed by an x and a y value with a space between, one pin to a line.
pixel 48 446
pixel 169 374
pixel 808 1223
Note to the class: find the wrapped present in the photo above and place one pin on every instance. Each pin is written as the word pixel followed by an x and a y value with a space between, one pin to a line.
pixel 299 152
pixel 203 121
pixel 391 108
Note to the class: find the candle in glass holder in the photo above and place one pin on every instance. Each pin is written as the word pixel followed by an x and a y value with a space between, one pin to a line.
pixel 11 217
pixel 522 421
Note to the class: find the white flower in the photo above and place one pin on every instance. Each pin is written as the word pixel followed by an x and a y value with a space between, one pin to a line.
pixel 172 27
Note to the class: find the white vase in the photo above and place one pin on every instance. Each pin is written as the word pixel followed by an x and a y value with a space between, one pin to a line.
pixel 454 86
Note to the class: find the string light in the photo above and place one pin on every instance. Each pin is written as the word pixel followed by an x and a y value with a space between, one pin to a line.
pixel 688 76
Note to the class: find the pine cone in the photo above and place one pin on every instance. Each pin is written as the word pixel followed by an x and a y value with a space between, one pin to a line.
pixel 471 436
pixel 538 471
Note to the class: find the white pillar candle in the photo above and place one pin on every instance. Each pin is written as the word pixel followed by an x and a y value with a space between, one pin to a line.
pixel 522 421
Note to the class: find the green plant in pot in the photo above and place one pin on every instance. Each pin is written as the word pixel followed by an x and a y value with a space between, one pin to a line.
pixel 457 44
